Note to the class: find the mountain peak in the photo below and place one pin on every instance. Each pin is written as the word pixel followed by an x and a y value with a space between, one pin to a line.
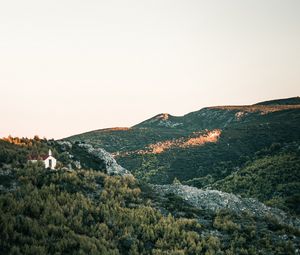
pixel 161 120
pixel 162 116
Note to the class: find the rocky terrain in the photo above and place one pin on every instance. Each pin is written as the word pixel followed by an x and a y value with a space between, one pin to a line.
pixel 79 153
pixel 214 200
pixel 203 199
pixel 111 165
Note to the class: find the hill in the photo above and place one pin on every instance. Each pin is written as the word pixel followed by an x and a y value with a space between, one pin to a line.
pixel 286 101
pixel 273 179
pixel 167 147
pixel 86 211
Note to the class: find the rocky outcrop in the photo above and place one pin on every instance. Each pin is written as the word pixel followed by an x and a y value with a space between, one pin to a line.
pixel 214 200
pixel 112 167
pixel 162 120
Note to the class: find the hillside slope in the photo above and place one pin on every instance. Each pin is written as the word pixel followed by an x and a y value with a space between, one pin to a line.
pixel 89 212
pixel 232 155
pixel 153 150
pixel 272 179
pixel 286 101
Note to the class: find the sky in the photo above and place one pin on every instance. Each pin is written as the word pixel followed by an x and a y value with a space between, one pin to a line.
pixel 70 66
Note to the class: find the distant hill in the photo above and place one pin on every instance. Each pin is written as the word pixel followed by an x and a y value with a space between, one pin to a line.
pixel 166 147
pixel 286 101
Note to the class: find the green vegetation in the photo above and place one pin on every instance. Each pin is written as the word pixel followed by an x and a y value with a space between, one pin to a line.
pixel 240 139
pixel 274 180
pixel 16 151
pixel 286 101
pixel 87 212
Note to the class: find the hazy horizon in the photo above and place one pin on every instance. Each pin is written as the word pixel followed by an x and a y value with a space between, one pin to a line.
pixel 68 67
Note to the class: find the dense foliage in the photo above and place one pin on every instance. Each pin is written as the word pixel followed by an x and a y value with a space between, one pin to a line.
pixel 15 150
pixel 274 180
pixel 87 212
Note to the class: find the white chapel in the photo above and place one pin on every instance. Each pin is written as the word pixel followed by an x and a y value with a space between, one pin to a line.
pixel 50 161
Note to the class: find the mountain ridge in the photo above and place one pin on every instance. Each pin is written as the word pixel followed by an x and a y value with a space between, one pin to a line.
pixel 275 104
pixel 244 131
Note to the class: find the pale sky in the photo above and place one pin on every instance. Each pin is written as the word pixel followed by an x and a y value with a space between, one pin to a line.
pixel 70 66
